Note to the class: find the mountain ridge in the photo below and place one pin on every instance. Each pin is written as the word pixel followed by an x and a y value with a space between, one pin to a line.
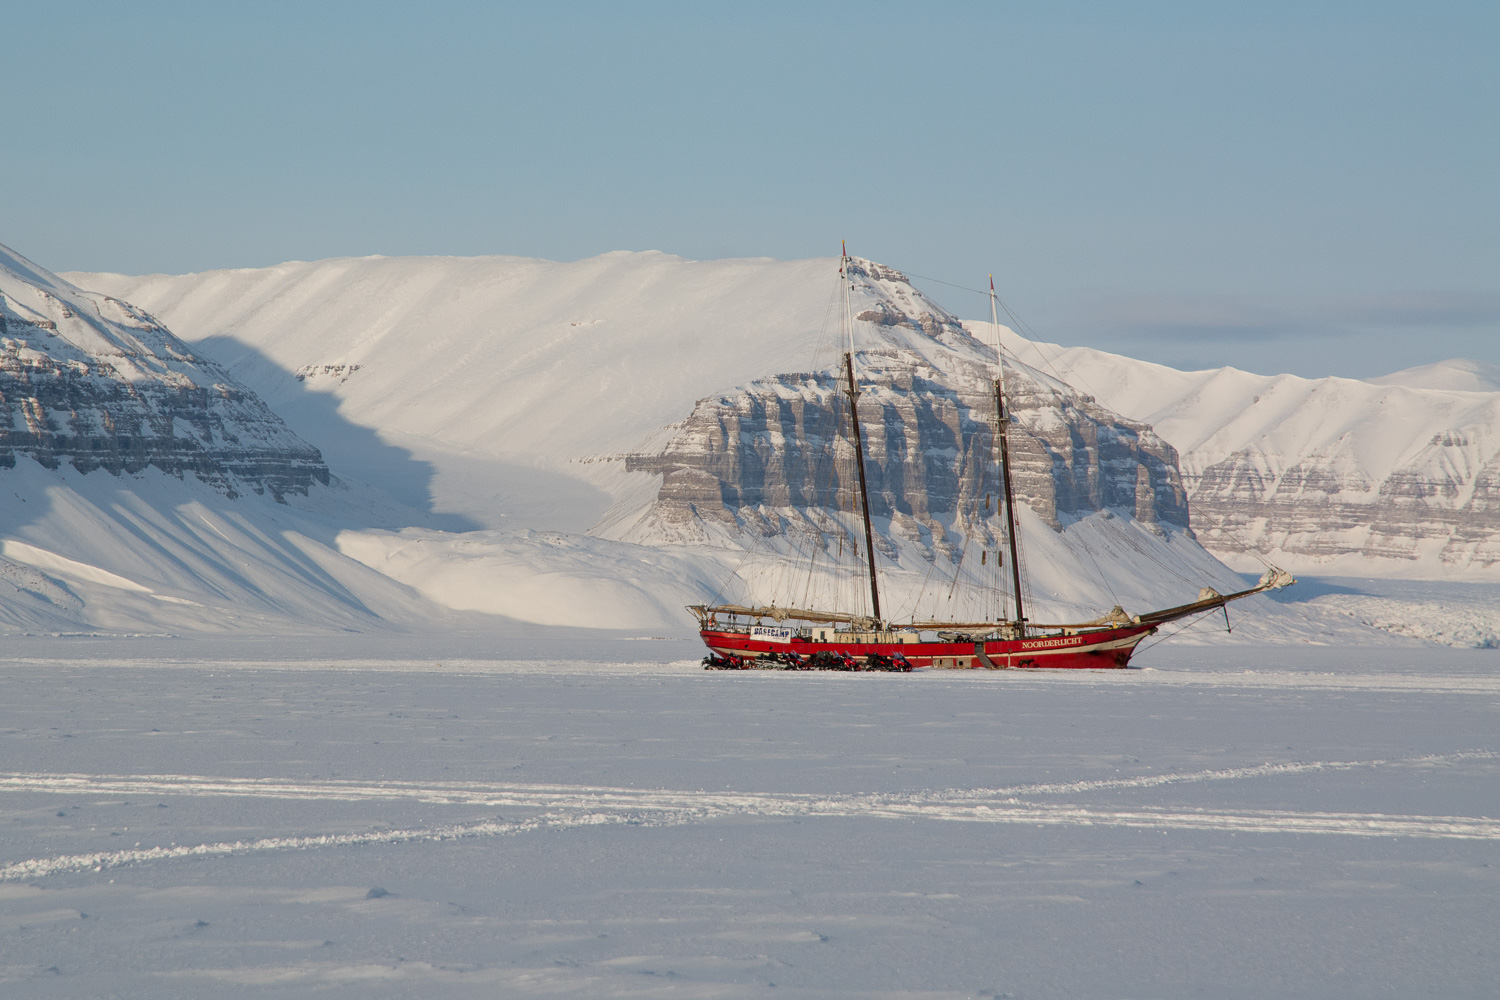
pixel 1258 475
pixel 382 361
pixel 583 376
pixel 1334 475
pixel 1453 375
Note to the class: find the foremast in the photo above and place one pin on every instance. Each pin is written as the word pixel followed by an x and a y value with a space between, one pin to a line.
pixel 859 447
pixel 1002 424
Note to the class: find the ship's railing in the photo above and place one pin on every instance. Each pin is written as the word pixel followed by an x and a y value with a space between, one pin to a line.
pixel 708 615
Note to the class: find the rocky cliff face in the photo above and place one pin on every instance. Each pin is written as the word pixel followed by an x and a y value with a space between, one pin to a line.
pixel 776 451
pixel 94 382
pixel 1441 505
pixel 1396 475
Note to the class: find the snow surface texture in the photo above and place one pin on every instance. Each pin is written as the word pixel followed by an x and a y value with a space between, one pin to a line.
pixel 220 817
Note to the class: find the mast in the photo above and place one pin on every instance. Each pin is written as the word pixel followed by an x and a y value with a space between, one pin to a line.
pixel 859 447
pixel 1002 421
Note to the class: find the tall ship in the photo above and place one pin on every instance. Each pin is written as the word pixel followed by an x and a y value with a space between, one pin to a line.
pixel 789 636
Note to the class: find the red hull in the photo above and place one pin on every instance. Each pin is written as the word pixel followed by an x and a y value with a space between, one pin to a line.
pixel 1094 649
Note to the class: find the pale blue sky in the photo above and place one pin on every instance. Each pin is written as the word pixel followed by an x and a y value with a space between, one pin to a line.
pixel 1305 187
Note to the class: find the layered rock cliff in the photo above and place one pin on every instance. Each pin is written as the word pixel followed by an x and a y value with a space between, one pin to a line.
pixel 96 383
pixel 776 452
pixel 1439 503
pixel 1397 475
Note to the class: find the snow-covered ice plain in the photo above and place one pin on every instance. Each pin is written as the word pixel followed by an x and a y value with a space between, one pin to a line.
pixel 251 747
pixel 562 812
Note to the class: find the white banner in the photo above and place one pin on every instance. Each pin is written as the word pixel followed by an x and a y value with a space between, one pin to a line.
pixel 771 633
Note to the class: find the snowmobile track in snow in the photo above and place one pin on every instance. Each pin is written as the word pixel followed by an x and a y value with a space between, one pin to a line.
pixel 564 806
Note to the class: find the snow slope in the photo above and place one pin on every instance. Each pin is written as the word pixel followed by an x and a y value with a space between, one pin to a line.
pixel 501 373
pixel 151 553
pixel 137 487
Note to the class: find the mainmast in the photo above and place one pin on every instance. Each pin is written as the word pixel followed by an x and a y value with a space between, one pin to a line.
pixel 859 447
pixel 1002 421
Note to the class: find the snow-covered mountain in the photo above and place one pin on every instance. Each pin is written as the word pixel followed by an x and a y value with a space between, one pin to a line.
pixel 96 383
pixel 497 374
pixel 606 439
pixel 1395 476
pixel 512 375
pixel 770 463
pixel 770 450
pixel 144 488
pixel 587 396
pixel 1461 374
